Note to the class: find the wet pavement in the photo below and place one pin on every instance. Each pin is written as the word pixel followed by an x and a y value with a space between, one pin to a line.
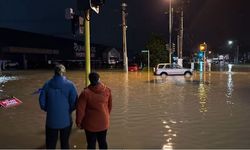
pixel 209 110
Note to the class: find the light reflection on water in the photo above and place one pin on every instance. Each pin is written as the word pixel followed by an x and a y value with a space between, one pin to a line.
pixel 4 79
pixel 169 135
pixel 203 90
pixel 230 85
pixel 148 111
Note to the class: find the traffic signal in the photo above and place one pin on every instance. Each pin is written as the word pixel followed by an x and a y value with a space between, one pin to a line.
pixel 200 55
pixel 77 25
pixel 173 47
pixel 69 13
pixel 203 47
pixel 83 5
pixel 97 2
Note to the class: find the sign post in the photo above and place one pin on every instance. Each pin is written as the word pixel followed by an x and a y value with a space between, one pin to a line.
pixel 87 6
pixel 147 51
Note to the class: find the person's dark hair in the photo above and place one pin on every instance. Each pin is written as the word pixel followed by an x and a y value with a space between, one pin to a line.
pixel 94 78
pixel 60 69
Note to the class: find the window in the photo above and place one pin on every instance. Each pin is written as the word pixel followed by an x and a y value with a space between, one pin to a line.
pixel 168 66
pixel 160 66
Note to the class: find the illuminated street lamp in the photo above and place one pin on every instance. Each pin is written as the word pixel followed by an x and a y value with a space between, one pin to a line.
pixel 230 42
pixel 236 55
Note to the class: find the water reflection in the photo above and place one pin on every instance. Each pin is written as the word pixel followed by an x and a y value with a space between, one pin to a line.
pixel 176 80
pixel 202 90
pixel 126 94
pixel 230 85
pixel 168 135
pixel 3 80
pixel 156 114
pixel 149 73
pixel 159 80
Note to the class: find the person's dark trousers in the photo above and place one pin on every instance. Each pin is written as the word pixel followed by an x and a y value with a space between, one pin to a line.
pixel 99 136
pixel 52 137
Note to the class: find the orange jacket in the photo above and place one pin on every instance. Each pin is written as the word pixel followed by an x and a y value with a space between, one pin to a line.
pixel 93 108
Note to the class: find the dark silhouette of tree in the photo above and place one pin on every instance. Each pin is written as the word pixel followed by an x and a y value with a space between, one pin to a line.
pixel 157 47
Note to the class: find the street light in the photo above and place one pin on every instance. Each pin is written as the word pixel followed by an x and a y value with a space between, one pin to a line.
pixel 236 55
pixel 230 42
pixel 147 51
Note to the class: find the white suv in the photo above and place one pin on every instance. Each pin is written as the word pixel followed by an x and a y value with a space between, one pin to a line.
pixel 165 69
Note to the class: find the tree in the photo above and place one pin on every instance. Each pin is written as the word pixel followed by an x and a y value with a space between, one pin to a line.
pixel 157 47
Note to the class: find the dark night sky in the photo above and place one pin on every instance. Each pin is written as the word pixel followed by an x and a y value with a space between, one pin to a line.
pixel 214 21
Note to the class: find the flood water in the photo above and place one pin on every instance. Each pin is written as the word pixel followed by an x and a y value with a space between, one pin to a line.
pixel 209 110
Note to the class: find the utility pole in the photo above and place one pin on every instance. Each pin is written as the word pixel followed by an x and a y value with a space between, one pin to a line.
pixel 237 53
pixel 124 37
pixel 170 31
pixel 178 46
pixel 181 33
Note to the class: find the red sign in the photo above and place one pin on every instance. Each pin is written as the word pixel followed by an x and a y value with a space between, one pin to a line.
pixel 11 102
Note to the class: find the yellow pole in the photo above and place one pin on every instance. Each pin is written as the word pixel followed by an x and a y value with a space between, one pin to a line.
pixel 87 46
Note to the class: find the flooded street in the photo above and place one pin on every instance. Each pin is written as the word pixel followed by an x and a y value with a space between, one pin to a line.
pixel 203 111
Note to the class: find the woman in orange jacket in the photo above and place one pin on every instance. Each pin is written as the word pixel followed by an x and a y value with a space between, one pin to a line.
pixel 93 112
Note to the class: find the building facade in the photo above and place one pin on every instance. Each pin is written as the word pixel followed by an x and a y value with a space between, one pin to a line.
pixel 25 50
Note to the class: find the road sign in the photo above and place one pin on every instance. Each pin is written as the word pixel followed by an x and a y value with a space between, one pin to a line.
pixel 10 102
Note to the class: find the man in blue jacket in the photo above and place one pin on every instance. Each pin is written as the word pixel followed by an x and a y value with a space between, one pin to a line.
pixel 58 98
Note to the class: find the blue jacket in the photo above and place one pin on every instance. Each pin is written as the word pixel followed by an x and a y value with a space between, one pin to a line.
pixel 58 98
